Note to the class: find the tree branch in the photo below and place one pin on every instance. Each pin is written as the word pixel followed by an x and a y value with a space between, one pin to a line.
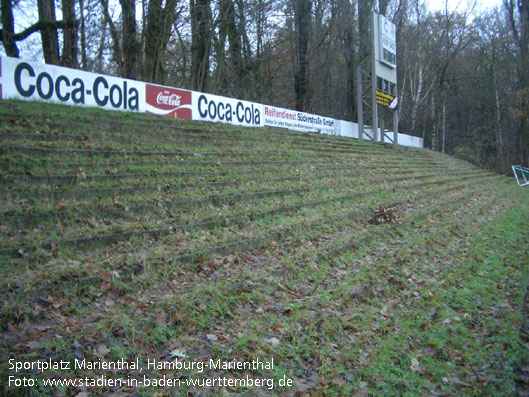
pixel 38 26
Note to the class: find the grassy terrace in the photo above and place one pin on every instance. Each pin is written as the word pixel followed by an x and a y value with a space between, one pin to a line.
pixel 360 269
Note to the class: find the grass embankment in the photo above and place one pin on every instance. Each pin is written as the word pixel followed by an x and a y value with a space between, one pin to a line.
pixel 358 268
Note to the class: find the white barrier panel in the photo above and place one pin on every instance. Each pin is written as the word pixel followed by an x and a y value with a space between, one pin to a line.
pixel 30 80
pixel 408 140
pixel 346 128
pixel 350 130
pixel 297 121
pixel 208 107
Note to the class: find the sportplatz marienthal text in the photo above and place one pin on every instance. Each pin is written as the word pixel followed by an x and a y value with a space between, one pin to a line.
pixel 151 364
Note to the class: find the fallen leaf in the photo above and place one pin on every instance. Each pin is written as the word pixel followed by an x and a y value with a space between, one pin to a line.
pixel 212 338
pixel 310 381
pixel 414 364
pixel 338 381
pixel 102 350
pixel 105 276
pixel 33 345
pixel 273 342
pixel 18 262
pixel 177 353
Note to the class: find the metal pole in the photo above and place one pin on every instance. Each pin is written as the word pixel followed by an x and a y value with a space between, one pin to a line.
pixel 396 127
pixel 359 91
pixel 515 174
pixel 382 135
pixel 374 79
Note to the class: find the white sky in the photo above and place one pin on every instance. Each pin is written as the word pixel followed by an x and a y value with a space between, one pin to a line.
pixel 480 5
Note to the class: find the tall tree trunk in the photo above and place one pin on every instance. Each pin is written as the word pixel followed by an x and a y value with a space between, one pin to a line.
pixel 114 33
pixel 200 43
pixel 364 17
pixel 101 48
pixel 70 49
pixel 82 28
pixel 499 134
pixel 221 80
pixel 157 33
pixel 260 27
pixel 444 127
pixel 434 126
pixel 245 61
pixel 345 16
pixel 50 43
pixel 302 23
pixel 151 34
pixel 8 27
pixel 235 48
pixel 416 97
pixel 129 39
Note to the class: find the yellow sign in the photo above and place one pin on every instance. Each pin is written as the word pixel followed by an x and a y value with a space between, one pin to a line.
pixel 384 99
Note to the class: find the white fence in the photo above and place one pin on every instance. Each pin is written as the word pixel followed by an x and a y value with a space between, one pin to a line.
pixel 27 80
pixel 350 130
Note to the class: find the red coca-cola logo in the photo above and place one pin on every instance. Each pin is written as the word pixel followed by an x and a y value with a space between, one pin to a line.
pixel 170 102
pixel 168 99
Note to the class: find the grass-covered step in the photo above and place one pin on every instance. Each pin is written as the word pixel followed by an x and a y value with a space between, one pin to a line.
pixel 341 220
pixel 360 268
pixel 224 228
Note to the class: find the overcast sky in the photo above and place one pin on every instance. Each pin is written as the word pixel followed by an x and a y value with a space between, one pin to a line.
pixel 480 5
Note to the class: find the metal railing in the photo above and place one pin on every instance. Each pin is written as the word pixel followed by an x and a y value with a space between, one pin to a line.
pixel 521 174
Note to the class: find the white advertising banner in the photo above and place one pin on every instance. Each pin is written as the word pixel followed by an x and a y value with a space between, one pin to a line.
pixel 34 81
pixel 20 79
pixel 208 107
pixel 299 121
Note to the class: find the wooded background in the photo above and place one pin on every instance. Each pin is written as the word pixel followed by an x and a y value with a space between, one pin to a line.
pixel 463 76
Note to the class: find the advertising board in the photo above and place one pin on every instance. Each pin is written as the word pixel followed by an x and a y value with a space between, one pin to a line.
pixel 388 41
pixel 34 81
pixel 208 107
pixel 298 121
pixel 384 99
pixel 27 80
pixel 169 102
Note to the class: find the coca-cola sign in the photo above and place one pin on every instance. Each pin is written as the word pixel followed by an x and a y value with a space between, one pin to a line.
pixel 170 102
pixel 164 98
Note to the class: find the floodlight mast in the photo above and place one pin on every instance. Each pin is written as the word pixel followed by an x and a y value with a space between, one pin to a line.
pixel 377 90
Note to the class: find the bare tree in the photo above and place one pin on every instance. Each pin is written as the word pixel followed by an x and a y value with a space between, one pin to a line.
pixel 201 42
pixel 302 23
pixel 345 15
pixel 50 42
pixel 114 33
pixel 8 31
pixel 159 22
pixel 70 48
pixel 518 15
pixel 130 43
